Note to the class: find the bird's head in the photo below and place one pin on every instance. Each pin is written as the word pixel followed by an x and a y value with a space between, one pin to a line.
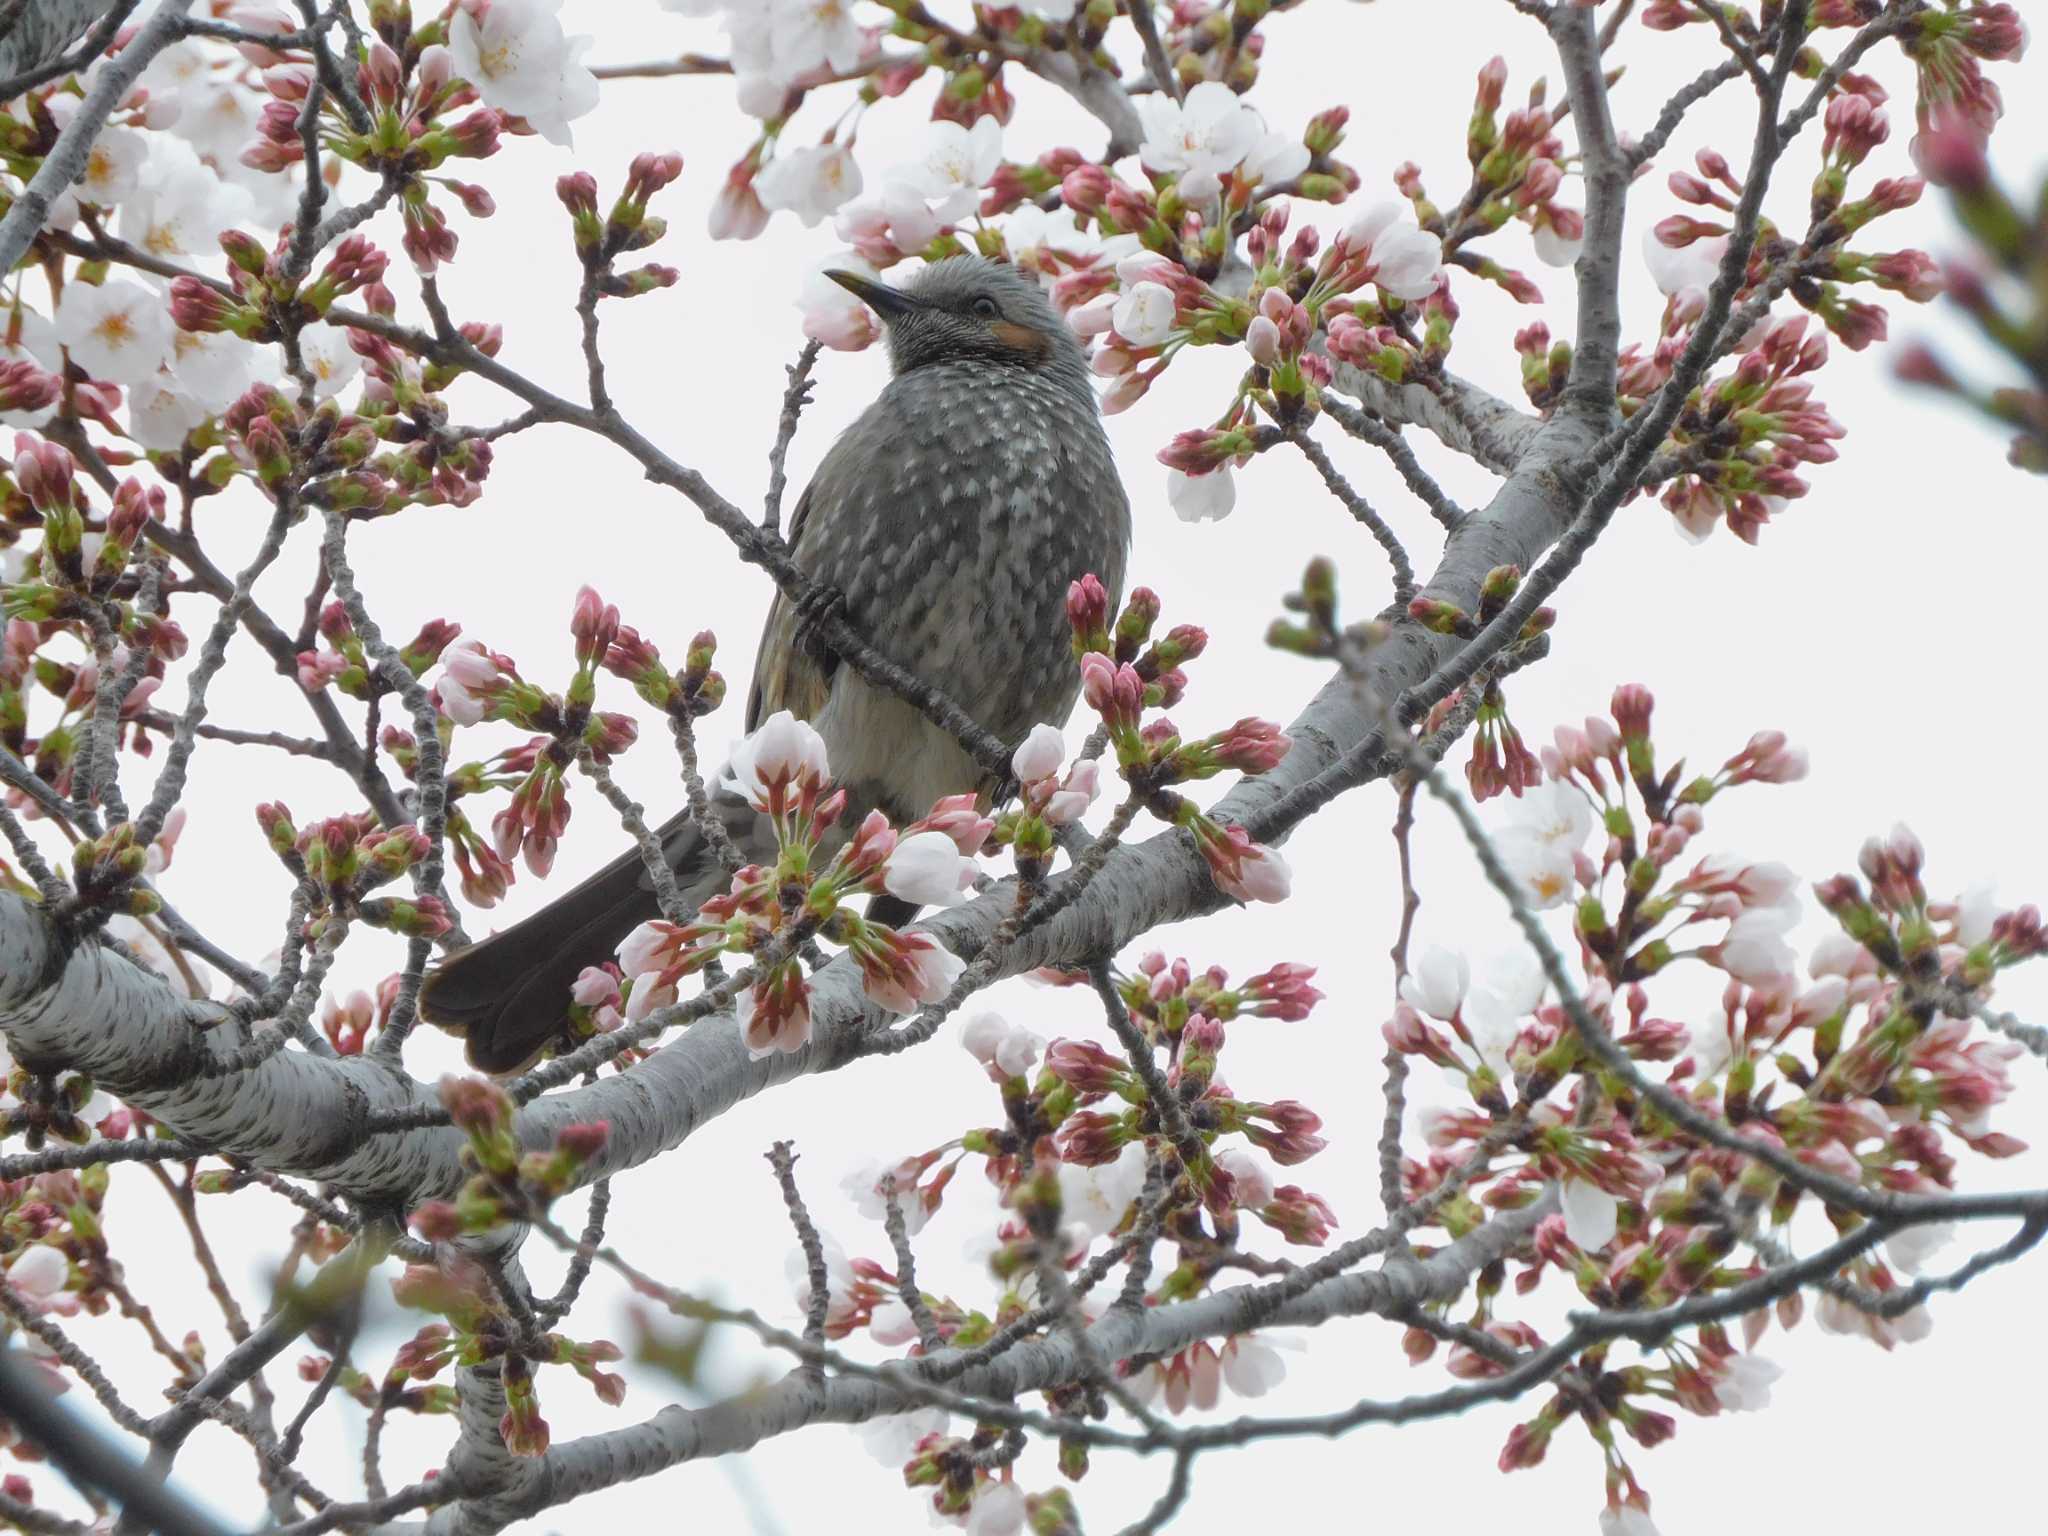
pixel 966 307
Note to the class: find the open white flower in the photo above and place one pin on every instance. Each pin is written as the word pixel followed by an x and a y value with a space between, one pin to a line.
pixel 219 119
pixel 1549 826
pixel 173 75
pixel 805 34
pixel 926 870
pixel 182 207
pixel 1626 1520
pixel 810 182
pixel 893 1437
pixel 957 161
pixel 1276 157
pixel 161 413
pixel 1407 261
pixel 783 749
pixel 1252 1367
pixel 1553 249
pixel 998 1510
pixel 1144 315
pixel 1437 982
pixel 521 62
pixel 1040 756
pixel 995 1042
pixel 1677 268
pixel 1746 1385
pixel 1201 498
pixel 1590 1214
pixel 329 358
pixel 1093 1200
pixel 839 1279
pixel 214 368
pixel 1911 1247
pixel 113 167
pixel 1755 950
pixel 864 1185
pixel 833 315
pixel 1198 139
pixel 39 1275
pixel 1405 258
pixel 117 331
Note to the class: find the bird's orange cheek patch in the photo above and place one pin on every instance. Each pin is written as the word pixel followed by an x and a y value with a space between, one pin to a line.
pixel 1021 338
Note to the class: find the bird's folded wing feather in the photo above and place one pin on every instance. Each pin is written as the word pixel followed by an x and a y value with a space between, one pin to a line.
pixel 786 675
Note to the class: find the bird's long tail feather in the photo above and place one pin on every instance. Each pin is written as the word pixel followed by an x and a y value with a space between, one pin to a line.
pixel 508 995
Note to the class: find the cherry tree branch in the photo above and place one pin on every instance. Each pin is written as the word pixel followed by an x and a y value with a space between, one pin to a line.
pixel 66 161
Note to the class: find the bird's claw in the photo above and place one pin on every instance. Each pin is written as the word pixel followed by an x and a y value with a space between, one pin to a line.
pixel 816 611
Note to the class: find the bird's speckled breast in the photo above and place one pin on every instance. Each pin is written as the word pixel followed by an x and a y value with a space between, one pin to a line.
pixel 955 512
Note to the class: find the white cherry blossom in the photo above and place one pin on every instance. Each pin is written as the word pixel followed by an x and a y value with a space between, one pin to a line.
pixel 520 61
pixel 926 870
pixel 783 748
pixel 1201 498
pixel 329 358
pixel 1590 1214
pixel 1144 315
pixel 1198 139
pixel 1436 985
pixel 833 315
pixel 117 330
pixel 161 413
pixel 811 182
pixel 1746 1384
pixel 956 162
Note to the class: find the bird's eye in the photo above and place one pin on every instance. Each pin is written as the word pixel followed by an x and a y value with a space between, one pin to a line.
pixel 987 307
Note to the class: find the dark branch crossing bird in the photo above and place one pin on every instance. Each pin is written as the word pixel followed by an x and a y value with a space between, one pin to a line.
pixel 944 525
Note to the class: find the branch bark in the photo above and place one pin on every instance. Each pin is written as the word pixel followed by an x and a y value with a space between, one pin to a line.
pixel 63 164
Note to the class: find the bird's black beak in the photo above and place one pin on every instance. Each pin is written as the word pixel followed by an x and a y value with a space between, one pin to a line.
pixel 889 303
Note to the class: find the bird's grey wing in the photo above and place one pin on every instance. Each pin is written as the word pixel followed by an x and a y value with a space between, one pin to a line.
pixel 786 675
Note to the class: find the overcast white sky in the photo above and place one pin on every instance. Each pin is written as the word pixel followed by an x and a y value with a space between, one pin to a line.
pixel 1889 622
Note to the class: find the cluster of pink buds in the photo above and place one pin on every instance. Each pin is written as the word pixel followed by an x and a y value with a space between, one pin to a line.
pixel 1949 48
pixel 348 1022
pixel 1517 171
pixel 344 664
pixel 342 858
pixel 505 1183
pixel 485 876
pixel 411 93
pixel 1742 440
pixel 503 1186
pixel 401 404
pixel 1047 799
pixel 627 227
pixel 1159 307
pixel 770 910
pixel 1863 1075
pixel 687 695
pixel 1125 672
pixel 77 565
pixel 268 297
pixel 477 684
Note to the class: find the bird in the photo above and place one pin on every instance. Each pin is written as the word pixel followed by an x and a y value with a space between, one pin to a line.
pixel 945 526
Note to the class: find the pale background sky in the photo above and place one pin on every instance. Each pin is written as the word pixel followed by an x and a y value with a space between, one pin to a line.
pixel 1888 622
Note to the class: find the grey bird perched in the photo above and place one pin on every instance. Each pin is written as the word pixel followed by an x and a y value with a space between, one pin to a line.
pixel 948 520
